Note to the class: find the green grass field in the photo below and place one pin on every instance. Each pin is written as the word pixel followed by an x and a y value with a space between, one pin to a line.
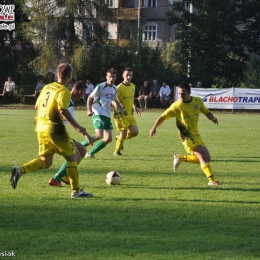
pixel 153 214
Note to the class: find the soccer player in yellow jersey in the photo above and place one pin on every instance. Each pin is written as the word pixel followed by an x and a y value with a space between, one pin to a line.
pixel 52 108
pixel 127 125
pixel 186 111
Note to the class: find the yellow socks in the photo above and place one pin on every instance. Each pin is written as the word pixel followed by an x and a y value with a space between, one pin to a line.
pixel 119 143
pixel 206 168
pixel 72 171
pixel 32 166
pixel 189 158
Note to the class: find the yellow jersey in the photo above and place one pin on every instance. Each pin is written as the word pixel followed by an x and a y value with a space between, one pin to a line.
pixel 126 94
pixel 51 100
pixel 187 116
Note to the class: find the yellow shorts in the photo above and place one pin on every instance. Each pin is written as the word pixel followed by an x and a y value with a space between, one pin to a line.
pixel 190 144
pixel 50 143
pixel 122 123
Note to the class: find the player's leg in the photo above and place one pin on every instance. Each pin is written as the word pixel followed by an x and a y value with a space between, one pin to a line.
pixel 107 138
pixel 62 173
pixel 98 124
pixel 121 125
pixel 98 135
pixel 105 127
pixel 72 171
pixel 128 129
pixel 190 157
pixel 204 157
pixel 133 130
pixel 65 146
pixel 86 142
pixel 45 161
pixel 68 150
pixel 120 142
pixel 39 163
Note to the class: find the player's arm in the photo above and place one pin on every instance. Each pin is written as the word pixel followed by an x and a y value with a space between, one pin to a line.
pixel 89 106
pixel 211 117
pixel 137 111
pixel 207 113
pixel 157 123
pixel 119 107
pixel 69 118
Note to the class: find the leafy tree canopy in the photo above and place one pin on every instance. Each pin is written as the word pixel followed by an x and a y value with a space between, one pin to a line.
pixel 214 37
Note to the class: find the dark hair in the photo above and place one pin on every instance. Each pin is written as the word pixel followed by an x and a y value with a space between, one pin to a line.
pixel 127 69
pixel 112 71
pixel 185 85
pixel 64 70
pixel 80 84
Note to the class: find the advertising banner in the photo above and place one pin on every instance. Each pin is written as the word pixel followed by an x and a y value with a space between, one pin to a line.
pixel 227 98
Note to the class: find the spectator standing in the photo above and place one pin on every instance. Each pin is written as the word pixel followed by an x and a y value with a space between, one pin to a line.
pixel 154 95
pixel 39 88
pixel 8 91
pixel 144 95
pixel 90 88
pixel 165 95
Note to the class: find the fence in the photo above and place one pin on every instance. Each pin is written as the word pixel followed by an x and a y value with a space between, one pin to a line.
pixel 228 98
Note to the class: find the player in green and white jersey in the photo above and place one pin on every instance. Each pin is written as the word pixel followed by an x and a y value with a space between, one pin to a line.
pixel 99 107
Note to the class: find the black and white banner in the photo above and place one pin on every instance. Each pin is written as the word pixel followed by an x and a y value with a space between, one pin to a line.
pixel 227 98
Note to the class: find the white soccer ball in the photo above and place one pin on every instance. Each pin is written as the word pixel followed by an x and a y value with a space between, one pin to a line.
pixel 113 178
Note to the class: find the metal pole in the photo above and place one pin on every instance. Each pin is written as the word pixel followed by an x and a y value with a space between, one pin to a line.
pixel 189 65
pixel 138 20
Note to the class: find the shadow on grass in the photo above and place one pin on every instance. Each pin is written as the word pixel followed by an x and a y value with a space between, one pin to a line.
pixel 113 229
pixel 210 188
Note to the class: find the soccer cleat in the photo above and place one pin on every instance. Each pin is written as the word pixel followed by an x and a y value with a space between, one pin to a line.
pixel 81 194
pixel 66 180
pixel 214 183
pixel 117 153
pixel 176 162
pixel 89 155
pixel 15 176
pixel 52 182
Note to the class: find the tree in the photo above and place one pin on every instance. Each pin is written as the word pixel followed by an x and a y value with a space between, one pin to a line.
pixel 252 73
pixel 64 31
pixel 249 13
pixel 15 50
pixel 212 39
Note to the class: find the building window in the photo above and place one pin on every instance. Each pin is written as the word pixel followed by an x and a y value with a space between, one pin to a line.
pixel 149 3
pixel 109 2
pixel 150 32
